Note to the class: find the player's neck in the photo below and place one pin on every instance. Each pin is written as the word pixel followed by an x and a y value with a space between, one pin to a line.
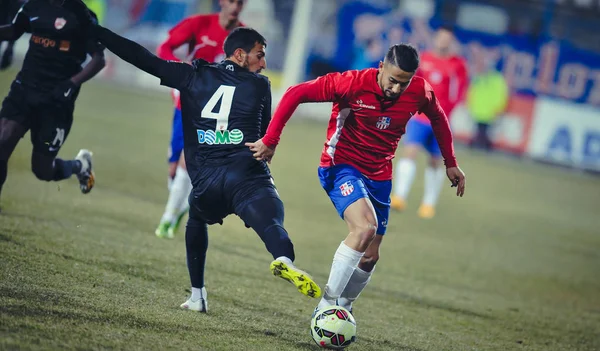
pixel 442 53
pixel 227 24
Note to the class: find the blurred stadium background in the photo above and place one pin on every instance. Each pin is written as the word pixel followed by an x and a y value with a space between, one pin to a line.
pixel 545 49
pixel 512 266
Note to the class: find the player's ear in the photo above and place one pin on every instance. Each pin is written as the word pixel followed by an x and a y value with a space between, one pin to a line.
pixel 239 54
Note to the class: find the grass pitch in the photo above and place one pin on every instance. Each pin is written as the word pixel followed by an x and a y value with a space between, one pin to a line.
pixel 514 265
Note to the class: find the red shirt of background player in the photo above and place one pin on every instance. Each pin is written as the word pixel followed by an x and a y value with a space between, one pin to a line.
pixel 449 78
pixel 204 36
pixel 364 128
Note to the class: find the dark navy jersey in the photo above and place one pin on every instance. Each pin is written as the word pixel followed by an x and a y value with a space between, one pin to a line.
pixel 223 106
pixel 58 45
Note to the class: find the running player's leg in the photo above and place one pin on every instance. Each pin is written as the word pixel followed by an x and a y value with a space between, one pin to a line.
pixel 10 133
pixel 180 188
pixel 14 123
pixel 196 245
pixel 261 209
pixel 435 176
pixel 379 194
pixel 346 189
pixel 48 134
pixel 414 139
pixel 175 146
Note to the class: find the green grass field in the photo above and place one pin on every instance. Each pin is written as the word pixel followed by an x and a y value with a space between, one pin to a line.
pixel 514 265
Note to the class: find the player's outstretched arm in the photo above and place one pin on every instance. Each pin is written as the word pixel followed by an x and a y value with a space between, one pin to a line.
pixel 172 74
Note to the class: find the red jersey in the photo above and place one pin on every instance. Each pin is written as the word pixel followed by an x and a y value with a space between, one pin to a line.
pixel 448 77
pixel 364 128
pixel 204 36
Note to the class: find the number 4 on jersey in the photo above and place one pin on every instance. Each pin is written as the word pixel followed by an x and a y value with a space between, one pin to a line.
pixel 225 95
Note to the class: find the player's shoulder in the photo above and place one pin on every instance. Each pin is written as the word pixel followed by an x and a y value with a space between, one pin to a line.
pixel 419 85
pixel 202 18
pixel 33 4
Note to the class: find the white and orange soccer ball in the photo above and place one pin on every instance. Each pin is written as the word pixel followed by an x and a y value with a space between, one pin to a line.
pixel 333 327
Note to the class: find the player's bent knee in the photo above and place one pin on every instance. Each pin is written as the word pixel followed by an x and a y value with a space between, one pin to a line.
pixel 366 232
pixel 43 173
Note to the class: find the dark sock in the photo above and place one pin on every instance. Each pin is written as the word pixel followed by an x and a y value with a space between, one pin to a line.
pixel 3 173
pixel 65 169
pixel 265 216
pixel 196 244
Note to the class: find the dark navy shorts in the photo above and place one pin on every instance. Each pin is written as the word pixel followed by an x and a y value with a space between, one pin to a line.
pixel 221 190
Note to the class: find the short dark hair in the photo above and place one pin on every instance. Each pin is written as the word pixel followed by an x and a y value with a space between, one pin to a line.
pixel 242 38
pixel 404 56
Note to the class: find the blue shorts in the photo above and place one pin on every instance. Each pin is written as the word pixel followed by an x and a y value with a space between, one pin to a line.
pixel 345 185
pixel 421 133
pixel 176 146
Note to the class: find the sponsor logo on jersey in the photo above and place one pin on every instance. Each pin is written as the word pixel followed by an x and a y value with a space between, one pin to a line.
pixel 220 137
pixel 361 104
pixel 347 188
pixel 45 42
pixel 60 23
pixel 383 122
pixel 65 45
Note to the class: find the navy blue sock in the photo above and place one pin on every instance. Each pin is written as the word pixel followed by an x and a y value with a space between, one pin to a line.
pixel 196 244
pixel 265 216
pixel 65 169
pixel 3 173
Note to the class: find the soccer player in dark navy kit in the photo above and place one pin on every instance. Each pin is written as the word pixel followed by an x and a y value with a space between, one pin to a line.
pixel 42 97
pixel 224 105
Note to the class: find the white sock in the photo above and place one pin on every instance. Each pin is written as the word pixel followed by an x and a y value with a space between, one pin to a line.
pixel 285 260
pixel 198 293
pixel 434 180
pixel 169 183
pixel 405 173
pixel 344 263
pixel 356 285
pixel 178 196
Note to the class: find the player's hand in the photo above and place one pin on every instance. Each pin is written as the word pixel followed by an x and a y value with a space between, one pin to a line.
pixel 64 91
pixel 261 151
pixel 457 177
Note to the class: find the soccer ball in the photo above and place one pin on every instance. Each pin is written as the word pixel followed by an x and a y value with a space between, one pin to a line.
pixel 333 327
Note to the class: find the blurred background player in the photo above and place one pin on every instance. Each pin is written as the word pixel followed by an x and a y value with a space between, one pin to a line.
pixel 447 75
pixel 217 120
pixel 370 110
pixel 42 96
pixel 8 11
pixel 204 36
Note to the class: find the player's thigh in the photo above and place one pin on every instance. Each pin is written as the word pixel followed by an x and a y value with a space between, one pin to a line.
pixel 344 186
pixel 176 143
pixel 14 119
pixel 10 133
pixel 208 205
pixel 416 133
pixel 50 128
pixel 432 147
pixel 379 194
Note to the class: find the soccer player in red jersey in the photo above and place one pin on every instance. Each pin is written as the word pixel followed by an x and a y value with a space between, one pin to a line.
pixel 204 35
pixel 447 75
pixel 370 110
